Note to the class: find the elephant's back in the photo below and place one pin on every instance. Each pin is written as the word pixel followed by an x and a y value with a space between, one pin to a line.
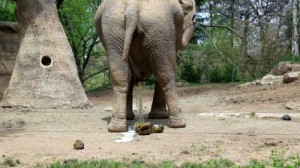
pixel 156 12
pixel 156 18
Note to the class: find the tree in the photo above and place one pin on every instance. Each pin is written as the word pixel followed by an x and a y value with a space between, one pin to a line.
pixel 45 74
pixel 295 37
pixel 77 17
pixel 7 10
pixel 255 27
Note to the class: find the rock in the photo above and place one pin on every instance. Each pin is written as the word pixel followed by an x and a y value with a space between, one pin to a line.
pixel 292 106
pixel 270 80
pixel 78 145
pixel 245 85
pixel 286 117
pixel 291 77
pixel 285 67
pixel 266 80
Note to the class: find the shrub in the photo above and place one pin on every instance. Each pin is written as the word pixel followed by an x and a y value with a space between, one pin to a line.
pixel 190 74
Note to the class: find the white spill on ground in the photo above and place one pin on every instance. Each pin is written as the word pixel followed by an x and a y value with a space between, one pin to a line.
pixel 127 136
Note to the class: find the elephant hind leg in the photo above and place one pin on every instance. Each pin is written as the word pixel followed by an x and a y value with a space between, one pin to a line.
pixel 120 80
pixel 175 118
pixel 129 113
pixel 159 105
pixel 118 118
pixel 165 76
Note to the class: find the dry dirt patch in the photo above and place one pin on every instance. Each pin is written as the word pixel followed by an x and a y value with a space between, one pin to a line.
pixel 222 122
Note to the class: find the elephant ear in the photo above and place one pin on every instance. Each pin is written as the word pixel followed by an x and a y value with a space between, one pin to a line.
pixel 189 10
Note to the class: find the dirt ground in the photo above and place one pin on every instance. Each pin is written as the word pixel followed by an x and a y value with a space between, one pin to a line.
pixel 223 121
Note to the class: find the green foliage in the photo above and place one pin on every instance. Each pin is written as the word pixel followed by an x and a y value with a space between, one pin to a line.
pixel 7 11
pixel 77 17
pixel 226 74
pixel 190 73
pixel 289 58
pixel 256 164
pixel 9 161
pixel 150 80
pixel 190 67
pixel 224 163
pixel 109 164
pixel 277 160
pixel 98 82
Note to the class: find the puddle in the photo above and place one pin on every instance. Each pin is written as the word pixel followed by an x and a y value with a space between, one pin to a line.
pixel 127 136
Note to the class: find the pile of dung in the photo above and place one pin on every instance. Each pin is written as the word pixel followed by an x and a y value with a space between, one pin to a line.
pixel 78 145
pixel 147 128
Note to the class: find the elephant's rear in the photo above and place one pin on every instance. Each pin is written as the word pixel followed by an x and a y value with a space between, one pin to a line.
pixel 160 33
pixel 109 21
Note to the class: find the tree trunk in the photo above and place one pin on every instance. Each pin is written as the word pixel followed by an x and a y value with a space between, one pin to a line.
pixel 244 42
pixel 232 21
pixel 45 74
pixel 295 46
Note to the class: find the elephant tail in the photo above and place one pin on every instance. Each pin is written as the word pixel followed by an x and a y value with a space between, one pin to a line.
pixel 131 17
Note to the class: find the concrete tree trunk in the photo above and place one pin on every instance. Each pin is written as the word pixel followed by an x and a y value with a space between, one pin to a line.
pixel 45 74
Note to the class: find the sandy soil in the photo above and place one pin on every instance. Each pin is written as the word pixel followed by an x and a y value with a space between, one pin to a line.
pixel 223 121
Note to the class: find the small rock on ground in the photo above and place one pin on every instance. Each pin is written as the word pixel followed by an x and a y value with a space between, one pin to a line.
pixel 286 117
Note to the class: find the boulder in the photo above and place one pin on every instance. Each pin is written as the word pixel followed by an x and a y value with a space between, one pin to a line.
pixel 285 67
pixel 291 77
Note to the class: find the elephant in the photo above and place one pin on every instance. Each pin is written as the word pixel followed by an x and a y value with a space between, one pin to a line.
pixel 141 38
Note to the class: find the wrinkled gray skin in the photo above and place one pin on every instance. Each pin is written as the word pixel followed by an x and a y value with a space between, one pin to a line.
pixel 141 38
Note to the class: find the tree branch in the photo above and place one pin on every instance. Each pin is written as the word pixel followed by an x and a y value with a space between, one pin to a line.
pixel 216 48
pixel 88 54
pixel 224 27
pixel 96 73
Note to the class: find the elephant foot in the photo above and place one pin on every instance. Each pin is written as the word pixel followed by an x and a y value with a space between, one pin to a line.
pixel 176 121
pixel 117 125
pixel 130 116
pixel 158 114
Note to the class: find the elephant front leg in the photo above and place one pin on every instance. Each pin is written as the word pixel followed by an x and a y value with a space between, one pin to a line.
pixel 159 105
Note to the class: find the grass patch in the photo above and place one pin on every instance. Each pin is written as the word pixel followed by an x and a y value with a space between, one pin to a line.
pixel 9 161
pixel 109 164
pixel 277 160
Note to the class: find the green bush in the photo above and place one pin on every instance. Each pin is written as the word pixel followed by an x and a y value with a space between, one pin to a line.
pixel 190 74
pixel 289 58
pixel 225 74
pixel 8 14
